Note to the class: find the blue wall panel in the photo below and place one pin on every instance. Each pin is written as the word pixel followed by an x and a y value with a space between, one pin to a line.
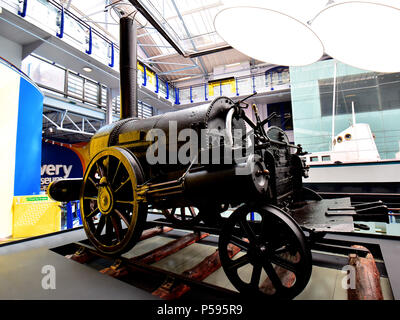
pixel 29 140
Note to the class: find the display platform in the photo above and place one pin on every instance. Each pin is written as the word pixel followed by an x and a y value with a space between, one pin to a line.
pixel 24 273
pixel 174 264
pixel 326 281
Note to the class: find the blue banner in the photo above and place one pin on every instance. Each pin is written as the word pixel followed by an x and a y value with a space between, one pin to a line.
pixel 59 162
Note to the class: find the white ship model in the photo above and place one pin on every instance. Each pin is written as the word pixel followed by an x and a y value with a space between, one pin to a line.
pixel 353 164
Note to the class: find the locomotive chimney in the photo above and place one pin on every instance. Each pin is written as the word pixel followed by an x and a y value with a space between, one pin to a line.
pixel 128 67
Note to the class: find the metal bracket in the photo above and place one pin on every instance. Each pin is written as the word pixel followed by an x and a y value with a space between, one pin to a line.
pixel 71 123
pixel 80 251
pixel 116 265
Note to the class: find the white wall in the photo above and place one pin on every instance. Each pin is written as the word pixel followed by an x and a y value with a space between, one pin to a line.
pixel 11 51
pixel 221 72
pixel 9 99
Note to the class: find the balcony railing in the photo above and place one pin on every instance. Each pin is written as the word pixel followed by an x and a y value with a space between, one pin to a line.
pixel 277 79
pixel 54 19
pixel 68 84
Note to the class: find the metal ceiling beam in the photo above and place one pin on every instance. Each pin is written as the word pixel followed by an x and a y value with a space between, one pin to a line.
pixel 68 4
pixel 156 25
pixel 174 63
pixel 147 55
pixel 196 10
pixel 177 70
pixel 188 74
pixel 146 34
pixel 61 126
pixel 156 57
pixel 154 45
pixel 189 35
pixel 210 51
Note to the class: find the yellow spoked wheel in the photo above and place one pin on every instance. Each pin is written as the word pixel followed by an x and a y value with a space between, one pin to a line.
pixel 112 217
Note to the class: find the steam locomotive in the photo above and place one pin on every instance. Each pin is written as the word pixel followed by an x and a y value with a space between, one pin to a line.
pixel 192 165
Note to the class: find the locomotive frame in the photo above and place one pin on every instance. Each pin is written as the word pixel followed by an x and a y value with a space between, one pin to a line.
pixel 120 184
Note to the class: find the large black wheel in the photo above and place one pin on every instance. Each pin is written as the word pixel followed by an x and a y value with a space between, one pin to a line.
pixel 108 197
pixel 274 261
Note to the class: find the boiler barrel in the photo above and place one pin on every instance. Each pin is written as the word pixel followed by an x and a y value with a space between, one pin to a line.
pixel 132 133
pixel 246 180
pixel 191 118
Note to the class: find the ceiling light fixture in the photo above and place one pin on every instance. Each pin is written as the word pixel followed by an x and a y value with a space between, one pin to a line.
pixel 87 69
pixel 233 65
pixel 362 34
pixel 185 78
pixel 288 39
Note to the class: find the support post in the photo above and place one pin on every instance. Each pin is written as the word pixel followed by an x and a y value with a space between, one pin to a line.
pixel 109 115
pixel 334 104
pixel 70 218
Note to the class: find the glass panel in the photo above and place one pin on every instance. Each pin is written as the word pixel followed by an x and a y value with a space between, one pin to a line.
pixel 376 99
pixel 116 59
pixel 91 92
pixel 184 95
pixel 102 50
pixel 43 14
pixel 75 33
pixel 103 96
pixel 362 90
pixel 12 5
pixel 389 90
pixel 151 80
pixel 171 94
pixel 245 86
pixel 44 73
pixel 189 24
pixel 228 89
pixel 140 75
pixel 116 105
pixel 162 88
pixel 144 110
pixel 198 93
pixel 75 85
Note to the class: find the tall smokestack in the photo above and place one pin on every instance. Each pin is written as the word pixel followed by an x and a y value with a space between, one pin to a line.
pixel 128 67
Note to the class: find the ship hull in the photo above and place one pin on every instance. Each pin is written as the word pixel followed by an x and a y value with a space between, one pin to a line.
pixel 380 178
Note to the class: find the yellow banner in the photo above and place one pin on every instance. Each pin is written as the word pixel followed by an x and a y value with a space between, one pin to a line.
pixel 217 84
pixel 35 215
pixel 151 76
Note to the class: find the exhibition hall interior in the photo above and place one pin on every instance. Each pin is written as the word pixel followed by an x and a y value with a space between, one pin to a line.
pixel 176 150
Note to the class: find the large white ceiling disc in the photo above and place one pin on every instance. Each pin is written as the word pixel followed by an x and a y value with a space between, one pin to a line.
pixel 268 35
pixel 363 34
